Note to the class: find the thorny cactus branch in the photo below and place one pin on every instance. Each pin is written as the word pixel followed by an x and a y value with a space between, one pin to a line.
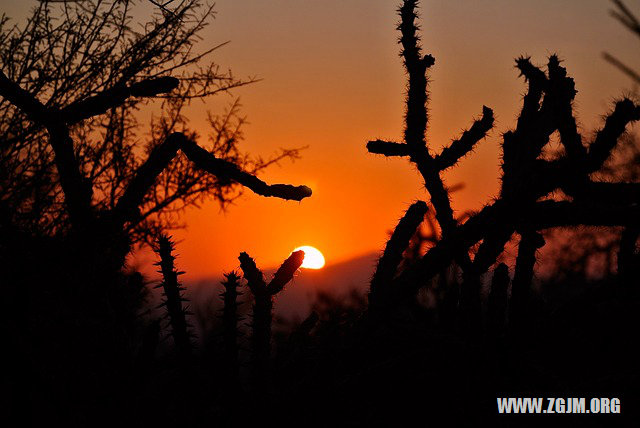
pixel 535 125
pixel 527 177
pixel 262 310
pixel 569 136
pixel 253 275
pixel 606 139
pixel 173 296
pixel 459 148
pixel 537 119
pixel 392 256
pixel 523 181
pixel 564 89
pixel 537 82
pixel 524 145
pixel 416 119
pixel 561 86
pixel 577 183
pixel 535 77
pixel 285 272
pixel 542 215
pixel 416 65
pixel 416 116
pixel 439 194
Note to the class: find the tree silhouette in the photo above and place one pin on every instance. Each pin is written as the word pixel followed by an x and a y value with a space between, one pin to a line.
pixel 73 156
pixel 81 181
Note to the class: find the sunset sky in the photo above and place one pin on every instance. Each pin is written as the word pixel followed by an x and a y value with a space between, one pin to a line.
pixel 332 80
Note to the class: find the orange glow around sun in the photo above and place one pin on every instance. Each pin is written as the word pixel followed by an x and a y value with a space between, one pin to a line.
pixel 313 258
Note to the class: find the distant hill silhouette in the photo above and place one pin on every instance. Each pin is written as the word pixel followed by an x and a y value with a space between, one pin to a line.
pixel 295 301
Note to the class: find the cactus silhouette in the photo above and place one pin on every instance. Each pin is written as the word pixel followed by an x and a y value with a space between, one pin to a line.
pixel 230 321
pixel 173 299
pixel 522 205
pixel 415 144
pixel 392 256
pixel 262 310
pixel 530 242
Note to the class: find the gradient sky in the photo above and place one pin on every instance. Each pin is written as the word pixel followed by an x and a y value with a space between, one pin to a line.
pixel 332 80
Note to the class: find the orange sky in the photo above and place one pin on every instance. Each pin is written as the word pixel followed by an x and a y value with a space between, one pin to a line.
pixel 332 79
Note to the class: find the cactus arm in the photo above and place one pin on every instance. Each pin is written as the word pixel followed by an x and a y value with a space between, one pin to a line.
pixel 416 65
pixel 253 275
pixel 542 215
pixel 566 122
pixel 606 139
pixel 459 148
pixel 285 273
pixel 537 82
pixel 392 256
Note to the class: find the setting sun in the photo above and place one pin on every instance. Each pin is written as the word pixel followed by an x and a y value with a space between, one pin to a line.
pixel 313 258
